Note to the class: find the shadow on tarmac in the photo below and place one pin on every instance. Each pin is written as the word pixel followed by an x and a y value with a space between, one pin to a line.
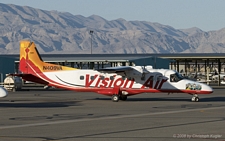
pixel 40 104
pixel 175 99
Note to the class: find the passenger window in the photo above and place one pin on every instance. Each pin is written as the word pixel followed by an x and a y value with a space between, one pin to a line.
pixel 102 77
pixel 143 77
pixel 111 77
pixel 159 78
pixel 92 77
pixel 151 78
pixel 81 77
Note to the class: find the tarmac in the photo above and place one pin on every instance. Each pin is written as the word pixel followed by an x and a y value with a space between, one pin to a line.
pixel 67 116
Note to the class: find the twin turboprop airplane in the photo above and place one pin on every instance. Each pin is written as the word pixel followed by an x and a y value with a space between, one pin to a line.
pixel 117 82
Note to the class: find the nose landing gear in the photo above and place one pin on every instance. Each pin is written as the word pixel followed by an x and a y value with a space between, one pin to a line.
pixel 195 98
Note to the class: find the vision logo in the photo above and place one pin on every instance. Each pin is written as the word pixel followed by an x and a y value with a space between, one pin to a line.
pixel 107 82
pixel 150 83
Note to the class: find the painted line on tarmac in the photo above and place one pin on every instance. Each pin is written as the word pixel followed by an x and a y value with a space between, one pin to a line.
pixel 106 118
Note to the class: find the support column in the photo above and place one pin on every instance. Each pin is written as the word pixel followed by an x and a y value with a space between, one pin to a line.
pixel 81 65
pixel 178 69
pixel 185 67
pixel 207 75
pixel 72 64
pixel 196 67
pixel 171 65
pixel 208 69
pixel 219 71
pixel 205 68
pixel 174 64
pixel 92 65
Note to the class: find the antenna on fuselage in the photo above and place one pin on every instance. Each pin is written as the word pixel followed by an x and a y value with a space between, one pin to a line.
pixel 143 73
pixel 143 70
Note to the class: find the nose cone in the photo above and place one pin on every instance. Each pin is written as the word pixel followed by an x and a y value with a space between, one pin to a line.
pixel 210 89
pixel 3 92
pixel 207 88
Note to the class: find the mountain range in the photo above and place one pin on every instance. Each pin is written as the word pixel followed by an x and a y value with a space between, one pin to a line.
pixel 65 33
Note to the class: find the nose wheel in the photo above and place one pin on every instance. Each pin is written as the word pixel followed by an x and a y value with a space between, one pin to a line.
pixel 195 98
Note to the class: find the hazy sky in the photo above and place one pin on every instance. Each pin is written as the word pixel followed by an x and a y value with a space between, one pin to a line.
pixel 204 14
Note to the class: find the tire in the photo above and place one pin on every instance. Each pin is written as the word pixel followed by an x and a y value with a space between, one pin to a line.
pixel 115 98
pixel 123 97
pixel 193 99
pixel 196 99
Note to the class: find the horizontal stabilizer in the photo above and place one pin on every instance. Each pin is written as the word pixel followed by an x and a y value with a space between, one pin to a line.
pixel 32 78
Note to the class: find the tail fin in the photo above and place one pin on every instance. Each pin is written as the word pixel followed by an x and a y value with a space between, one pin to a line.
pixel 31 62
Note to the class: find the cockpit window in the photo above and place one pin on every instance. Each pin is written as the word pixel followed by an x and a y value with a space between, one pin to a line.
pixel 176 77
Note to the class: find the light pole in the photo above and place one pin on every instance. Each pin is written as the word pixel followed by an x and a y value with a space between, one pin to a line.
pixel 91 32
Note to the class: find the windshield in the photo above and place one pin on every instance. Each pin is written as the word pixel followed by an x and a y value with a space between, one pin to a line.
pixel 176 77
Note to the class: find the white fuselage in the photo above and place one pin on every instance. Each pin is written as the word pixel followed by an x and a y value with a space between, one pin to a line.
pixel 132 79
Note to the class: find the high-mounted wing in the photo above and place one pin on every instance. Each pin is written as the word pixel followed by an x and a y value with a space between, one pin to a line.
pixel 116 69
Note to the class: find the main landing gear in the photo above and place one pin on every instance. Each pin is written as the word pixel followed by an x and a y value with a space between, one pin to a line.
pixel 195 98
pixel 116 97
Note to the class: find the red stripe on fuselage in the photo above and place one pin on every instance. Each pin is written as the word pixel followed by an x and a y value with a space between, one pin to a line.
pixel 138 91
pixel 33 69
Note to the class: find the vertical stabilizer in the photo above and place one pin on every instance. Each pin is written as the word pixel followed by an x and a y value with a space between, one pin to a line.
pixel 31 62
pixel 29 57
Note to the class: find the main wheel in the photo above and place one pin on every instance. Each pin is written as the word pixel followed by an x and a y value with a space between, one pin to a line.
pixel 123 97
pixel 115 98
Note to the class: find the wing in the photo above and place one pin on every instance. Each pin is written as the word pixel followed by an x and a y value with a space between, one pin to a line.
pixel 116 69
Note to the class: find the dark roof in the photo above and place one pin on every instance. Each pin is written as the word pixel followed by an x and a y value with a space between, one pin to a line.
pixel 88 57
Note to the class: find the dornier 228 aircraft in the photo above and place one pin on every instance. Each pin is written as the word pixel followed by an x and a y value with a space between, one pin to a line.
pixel 117 82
